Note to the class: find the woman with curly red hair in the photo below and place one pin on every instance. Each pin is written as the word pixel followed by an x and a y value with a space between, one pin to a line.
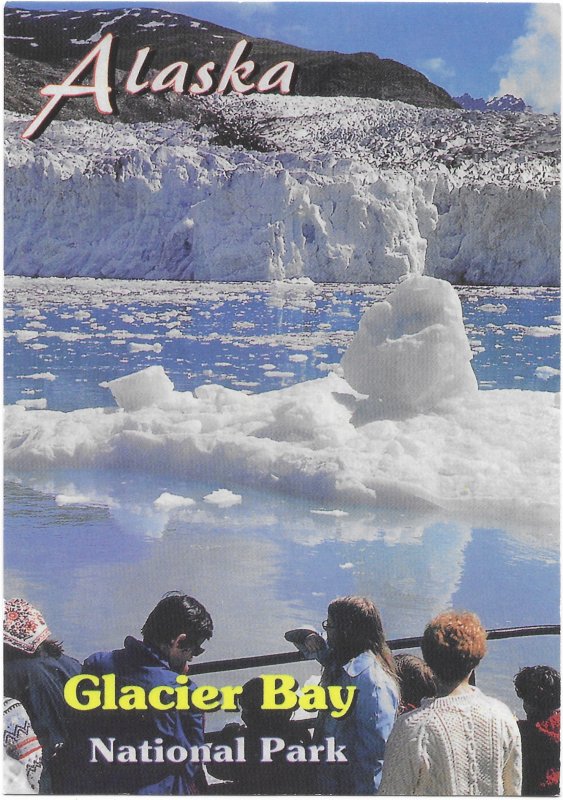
pixel 460 742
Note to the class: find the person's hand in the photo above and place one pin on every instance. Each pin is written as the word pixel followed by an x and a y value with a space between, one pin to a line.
pixel 232 728
pixel 312 645
pixel 307 641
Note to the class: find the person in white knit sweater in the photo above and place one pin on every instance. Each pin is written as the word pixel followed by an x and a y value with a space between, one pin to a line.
pixel 460 742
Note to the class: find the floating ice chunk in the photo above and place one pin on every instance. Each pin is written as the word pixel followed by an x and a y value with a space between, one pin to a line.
pixel 39 403
pixel 545 373
pixel 223 498
pixel 73 500
pixel 138 347
pixel 170 502
pixel 40 376
pixel 540 331
pixel 411 351
pixel 298 357
pixel 174 333
pixel 149 387
pixel 336 513
pixel 25 336
pixel 493 308
pixel 347 565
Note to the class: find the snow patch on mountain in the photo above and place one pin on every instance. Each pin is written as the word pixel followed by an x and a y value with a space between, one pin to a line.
pixel 348 190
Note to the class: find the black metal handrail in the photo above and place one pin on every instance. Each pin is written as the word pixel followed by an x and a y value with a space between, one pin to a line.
pixel 292 657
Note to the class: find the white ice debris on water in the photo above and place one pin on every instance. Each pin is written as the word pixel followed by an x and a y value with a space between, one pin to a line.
pixel 37 403
pixel 171 502
pixel 72 500
pixel 445 445
pixel 351 190
pixel 545 373
pixel 321 512
pixel 223 498
pixel 39 376
pixel 148 387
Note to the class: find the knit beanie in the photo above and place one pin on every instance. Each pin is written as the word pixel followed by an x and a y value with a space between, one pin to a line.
pixel 24 626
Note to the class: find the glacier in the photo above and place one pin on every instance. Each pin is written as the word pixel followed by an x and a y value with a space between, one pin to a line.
pixel 351 190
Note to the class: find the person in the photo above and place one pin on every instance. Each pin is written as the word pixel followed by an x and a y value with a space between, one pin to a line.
pixel 21 743
pixel 539 688
pixel 460 742
pixel 172 636
pixel 416 681
pixel 255 776
pixel 35 672
pixel 355 654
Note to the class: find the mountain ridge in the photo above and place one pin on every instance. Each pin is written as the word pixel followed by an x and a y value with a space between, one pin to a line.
pixel 506 102
pixel 42 48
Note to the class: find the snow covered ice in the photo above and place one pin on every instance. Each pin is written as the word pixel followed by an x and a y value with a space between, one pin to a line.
pixel 411 352
pixel 427 441
pixel 353 190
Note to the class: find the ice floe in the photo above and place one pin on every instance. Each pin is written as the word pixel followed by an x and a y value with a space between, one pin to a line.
pixel 426 443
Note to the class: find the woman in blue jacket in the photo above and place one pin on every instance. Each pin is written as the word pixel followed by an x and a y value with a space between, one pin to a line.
pixel 355 654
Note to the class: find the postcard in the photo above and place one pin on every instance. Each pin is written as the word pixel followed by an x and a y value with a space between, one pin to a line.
pixel 282 362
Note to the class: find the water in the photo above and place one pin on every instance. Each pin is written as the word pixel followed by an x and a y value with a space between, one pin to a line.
pixel 270 563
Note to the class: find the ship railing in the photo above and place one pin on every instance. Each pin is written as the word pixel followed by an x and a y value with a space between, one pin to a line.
pixel 294 656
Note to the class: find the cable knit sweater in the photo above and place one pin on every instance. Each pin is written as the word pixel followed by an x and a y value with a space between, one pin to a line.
pixel 467 744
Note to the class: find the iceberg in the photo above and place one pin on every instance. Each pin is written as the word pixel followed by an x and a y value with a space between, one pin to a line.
pixel 404 428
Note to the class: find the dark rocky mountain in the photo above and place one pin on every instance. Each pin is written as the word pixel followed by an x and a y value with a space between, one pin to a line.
pixel 505 103
pixel 43 47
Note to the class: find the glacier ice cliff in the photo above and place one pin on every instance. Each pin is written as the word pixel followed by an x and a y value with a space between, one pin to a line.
pixel 352 190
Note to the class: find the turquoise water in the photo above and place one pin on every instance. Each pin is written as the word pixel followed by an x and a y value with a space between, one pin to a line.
pixel 270 563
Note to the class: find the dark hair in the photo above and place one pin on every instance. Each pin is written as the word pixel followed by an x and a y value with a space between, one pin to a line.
pixel 49 647
pixel 453 644
pixel 175 614
pixel 250 703
pixel 416 679
pixel 359 629
pixel 540 686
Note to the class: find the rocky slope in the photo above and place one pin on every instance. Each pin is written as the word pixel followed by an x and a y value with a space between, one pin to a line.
pixel 42 46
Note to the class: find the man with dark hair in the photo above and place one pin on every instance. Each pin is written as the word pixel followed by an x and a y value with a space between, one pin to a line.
pixel 172 635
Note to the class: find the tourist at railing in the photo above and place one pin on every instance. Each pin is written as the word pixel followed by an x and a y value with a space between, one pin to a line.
pixel 355 654
pixel 460 742
pixel 35 671
pixel 21 745
pixel 539 688
pixel 416 681
pixel 257 775
pixel 172 635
